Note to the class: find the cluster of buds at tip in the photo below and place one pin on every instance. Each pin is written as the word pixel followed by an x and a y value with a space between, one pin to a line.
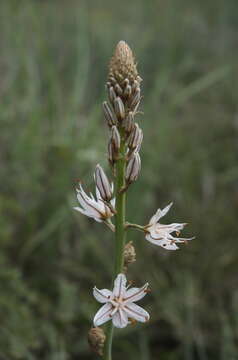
pixel 96 340
pixel 133 168
pixel 123 79
pixel 124 94
pixel 102 184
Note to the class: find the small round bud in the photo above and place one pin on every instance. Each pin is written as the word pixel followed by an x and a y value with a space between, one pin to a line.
pixel 129 254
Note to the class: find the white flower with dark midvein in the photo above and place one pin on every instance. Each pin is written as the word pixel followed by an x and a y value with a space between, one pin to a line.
pixel 94 208
pixel 119 304
pixel 161 235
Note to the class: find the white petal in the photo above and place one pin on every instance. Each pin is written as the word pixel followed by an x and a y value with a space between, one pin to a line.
pixel 82 211
pixel 101 296
pixel 159 214
pixel 135 294
pixel 159 231
pixel 182 240
pixel 119 286
pixel 152 240
pixel 165 210
pixel 113 202
pixel 88 204
pixel 98 195
pixel 136 312
pixel 103 315
pixel 169 246
pixel 120 319
pixel 96 219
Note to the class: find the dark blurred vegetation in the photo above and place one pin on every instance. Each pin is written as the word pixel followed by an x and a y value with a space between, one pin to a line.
pixel 53 67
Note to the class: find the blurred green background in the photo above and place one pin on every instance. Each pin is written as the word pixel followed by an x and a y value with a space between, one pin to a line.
pixel 53 67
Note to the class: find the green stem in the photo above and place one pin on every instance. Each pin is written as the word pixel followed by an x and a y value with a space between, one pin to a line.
pixel 120 215
pixel 119 236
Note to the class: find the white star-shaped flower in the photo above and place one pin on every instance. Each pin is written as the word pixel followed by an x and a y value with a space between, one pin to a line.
pixel 119 304
pixel 97 208
pixel 160 234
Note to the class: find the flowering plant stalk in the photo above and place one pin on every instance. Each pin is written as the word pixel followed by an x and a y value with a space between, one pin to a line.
pixel 119 308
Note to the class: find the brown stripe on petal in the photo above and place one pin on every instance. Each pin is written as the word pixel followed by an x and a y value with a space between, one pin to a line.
pixel 135 312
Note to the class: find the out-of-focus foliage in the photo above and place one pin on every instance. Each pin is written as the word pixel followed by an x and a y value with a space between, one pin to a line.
pixel 53 68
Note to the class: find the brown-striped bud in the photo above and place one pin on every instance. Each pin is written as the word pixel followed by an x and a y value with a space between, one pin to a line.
pixel 119 108
pixel 128 123
pixel 135 100
pixel 135 138
pixel 133 168
pixel 96 340
pixel 114 145
pixel 115 139
pixel 127 91
pixel 126 82
pixel 111 95
pixel 112 80
pixel 102 184
pixel 118 90
pixel 109 114
pixel 135 86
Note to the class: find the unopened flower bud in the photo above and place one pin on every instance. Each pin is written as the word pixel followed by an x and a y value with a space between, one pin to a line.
pixel 114 145
pixel 129 254
pixel 96 340
pixel 109 114
pixel 133 168
pixel 135 86
pixel 115 138
pixel 111 95
pixel 118 90
pixel 112 80
pixel 135 138
pixel 135 99
pixel 119 108
pixel 127 91
pixel 103 184
pixel 128 123
pixel 126 82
